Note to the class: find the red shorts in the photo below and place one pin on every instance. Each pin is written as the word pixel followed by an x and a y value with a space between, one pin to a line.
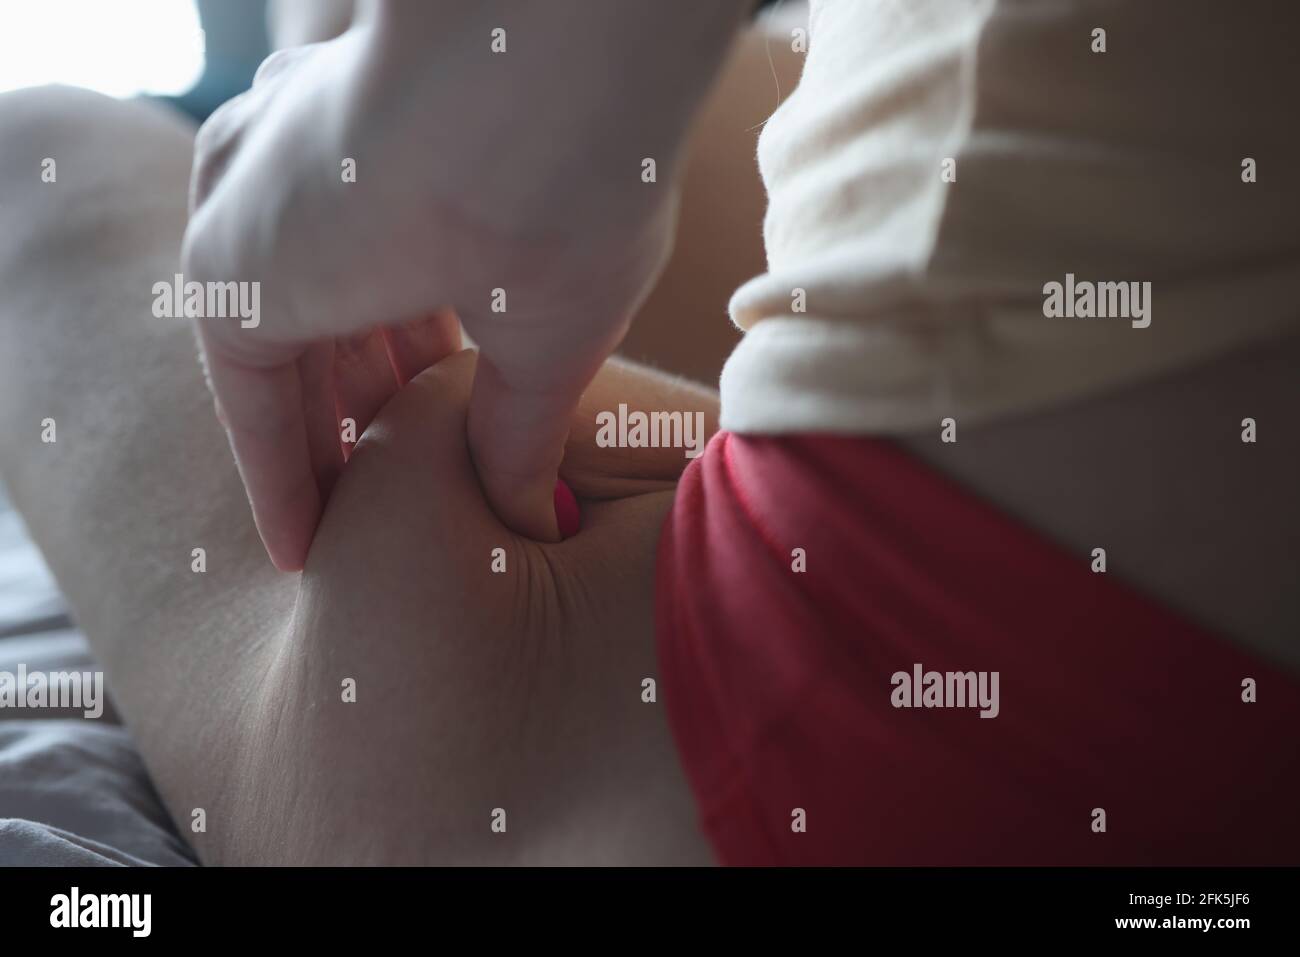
pixel 784 693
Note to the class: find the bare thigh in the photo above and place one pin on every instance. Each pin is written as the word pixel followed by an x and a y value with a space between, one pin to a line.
pixel 233 678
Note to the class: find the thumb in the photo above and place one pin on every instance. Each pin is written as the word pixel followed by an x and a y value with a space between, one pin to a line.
pixel 516 438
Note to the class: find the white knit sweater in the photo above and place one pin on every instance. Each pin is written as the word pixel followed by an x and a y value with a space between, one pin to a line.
pixel 896 296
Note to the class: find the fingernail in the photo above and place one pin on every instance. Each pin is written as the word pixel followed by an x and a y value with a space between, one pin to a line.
pixel 566 510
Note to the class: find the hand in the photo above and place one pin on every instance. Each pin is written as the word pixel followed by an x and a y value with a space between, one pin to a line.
pixel 523 211
pixel 499 671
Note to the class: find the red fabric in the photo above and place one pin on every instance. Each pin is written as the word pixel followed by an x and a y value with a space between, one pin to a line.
pixel 778 683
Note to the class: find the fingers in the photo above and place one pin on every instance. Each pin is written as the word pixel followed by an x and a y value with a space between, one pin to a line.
pixel 601 471
pixel 319 405
pixel 364 381
pixel 415 346
pixel 262 409
pixel 517 441
pixel 413 491
pixel 292 425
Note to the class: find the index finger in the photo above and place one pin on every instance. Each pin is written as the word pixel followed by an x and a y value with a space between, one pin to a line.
pixel 262 411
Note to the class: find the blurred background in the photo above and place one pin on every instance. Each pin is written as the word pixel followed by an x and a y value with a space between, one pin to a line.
pixel 193 53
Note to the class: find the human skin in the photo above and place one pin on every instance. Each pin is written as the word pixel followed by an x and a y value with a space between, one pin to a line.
pixel 682 326
pixel 475 690
pixel 199 663
pixel 141 475
pixel 506 184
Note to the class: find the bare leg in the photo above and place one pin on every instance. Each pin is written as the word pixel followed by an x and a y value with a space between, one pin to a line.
pixel 523 695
